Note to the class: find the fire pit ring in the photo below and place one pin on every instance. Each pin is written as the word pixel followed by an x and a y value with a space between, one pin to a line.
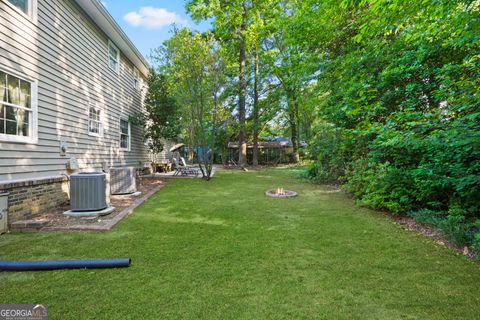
pixel 280 193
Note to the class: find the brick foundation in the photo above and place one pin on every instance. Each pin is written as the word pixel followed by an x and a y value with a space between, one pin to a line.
pixel 29 199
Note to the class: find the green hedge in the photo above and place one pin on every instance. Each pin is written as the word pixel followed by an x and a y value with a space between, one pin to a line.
pixel 400 124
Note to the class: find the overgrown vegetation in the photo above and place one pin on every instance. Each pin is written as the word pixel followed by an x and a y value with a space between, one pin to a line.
pixel 400 118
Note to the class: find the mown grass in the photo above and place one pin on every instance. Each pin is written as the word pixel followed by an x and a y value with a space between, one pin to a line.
pixel 222 250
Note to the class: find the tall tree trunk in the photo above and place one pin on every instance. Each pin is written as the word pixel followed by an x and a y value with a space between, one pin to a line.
pixel 255 110
pixel 191 146
pixel 211 151
pixel 294 123
pixel 191 138
pixel 242 145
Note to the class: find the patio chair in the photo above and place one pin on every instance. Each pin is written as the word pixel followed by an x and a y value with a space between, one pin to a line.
pixel 183 169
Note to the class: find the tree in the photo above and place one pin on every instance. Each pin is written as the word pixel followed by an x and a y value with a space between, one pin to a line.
pixel 161 120
pixel 258 31
pixel 293 65
pixel 231 22
pixel 195 69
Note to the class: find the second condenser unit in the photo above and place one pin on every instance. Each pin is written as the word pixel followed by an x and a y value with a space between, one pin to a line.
pixel 122 180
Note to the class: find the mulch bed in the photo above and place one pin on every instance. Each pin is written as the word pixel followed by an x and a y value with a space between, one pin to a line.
pixel 56 221
pixel 428 231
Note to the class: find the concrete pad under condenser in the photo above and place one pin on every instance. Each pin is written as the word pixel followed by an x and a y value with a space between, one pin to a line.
pixel 127 195
pixel 103 212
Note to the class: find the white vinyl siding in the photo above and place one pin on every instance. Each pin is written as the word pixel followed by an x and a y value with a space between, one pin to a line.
pixel 64 54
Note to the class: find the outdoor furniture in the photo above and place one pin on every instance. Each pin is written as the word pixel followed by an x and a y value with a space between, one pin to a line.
pixel 162 167
pixel 230 164
pixel 165 166
pixel 183 169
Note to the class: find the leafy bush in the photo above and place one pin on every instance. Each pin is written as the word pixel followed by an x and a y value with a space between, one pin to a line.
pixel 400 117
pixel 330 151
pixel 454 227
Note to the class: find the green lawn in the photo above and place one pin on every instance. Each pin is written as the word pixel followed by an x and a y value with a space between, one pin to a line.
pixel 222 250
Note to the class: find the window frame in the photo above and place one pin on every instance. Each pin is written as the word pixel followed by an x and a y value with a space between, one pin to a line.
pixel 112 45
pixel 31 13
pixel 123 134
pixel 136 78
pixel 99 121
pixel 32 138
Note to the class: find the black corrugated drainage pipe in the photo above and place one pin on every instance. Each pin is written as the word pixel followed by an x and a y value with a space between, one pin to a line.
pixel 63 264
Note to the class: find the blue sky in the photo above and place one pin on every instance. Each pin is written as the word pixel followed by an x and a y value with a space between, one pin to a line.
pixel 148 22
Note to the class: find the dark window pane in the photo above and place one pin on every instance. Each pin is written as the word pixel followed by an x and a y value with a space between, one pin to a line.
pixel 113 53
pixel 94 114
pixel 20 4
pixel 24 94
pixel 124 141
pixel 13 89
pixel 94 127
pixel 124 127
pixel 113 64
pixel 2 126
pixel 11 127
pixel 3 79
pixel 3 93
pixel 3 86
pixel 23 129
pixel 20 116
pixel 2 111
pixel 10 113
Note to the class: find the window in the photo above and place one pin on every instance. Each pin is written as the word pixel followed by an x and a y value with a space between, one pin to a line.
pixel 124 135
pixel 17 108
pixel 20 4
pixel 136 78
pixel 28 7
pixel 94 122
pixel 113 57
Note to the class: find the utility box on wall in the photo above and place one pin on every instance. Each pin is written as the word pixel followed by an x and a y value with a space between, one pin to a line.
pixel 3 212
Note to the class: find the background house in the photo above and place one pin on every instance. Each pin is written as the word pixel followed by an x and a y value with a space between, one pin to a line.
pixel 69 81
pixel 271 150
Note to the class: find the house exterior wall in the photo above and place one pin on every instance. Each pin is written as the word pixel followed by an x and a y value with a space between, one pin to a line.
pixel 66 55
pixel 27 199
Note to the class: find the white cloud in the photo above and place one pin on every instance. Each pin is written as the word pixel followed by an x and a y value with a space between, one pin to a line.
pixel 153 18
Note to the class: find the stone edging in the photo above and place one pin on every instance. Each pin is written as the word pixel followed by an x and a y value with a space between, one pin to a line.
pixel 107 225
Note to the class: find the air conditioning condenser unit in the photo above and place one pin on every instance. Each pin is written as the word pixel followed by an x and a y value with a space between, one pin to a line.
pixel 122 180
pixel 87 191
